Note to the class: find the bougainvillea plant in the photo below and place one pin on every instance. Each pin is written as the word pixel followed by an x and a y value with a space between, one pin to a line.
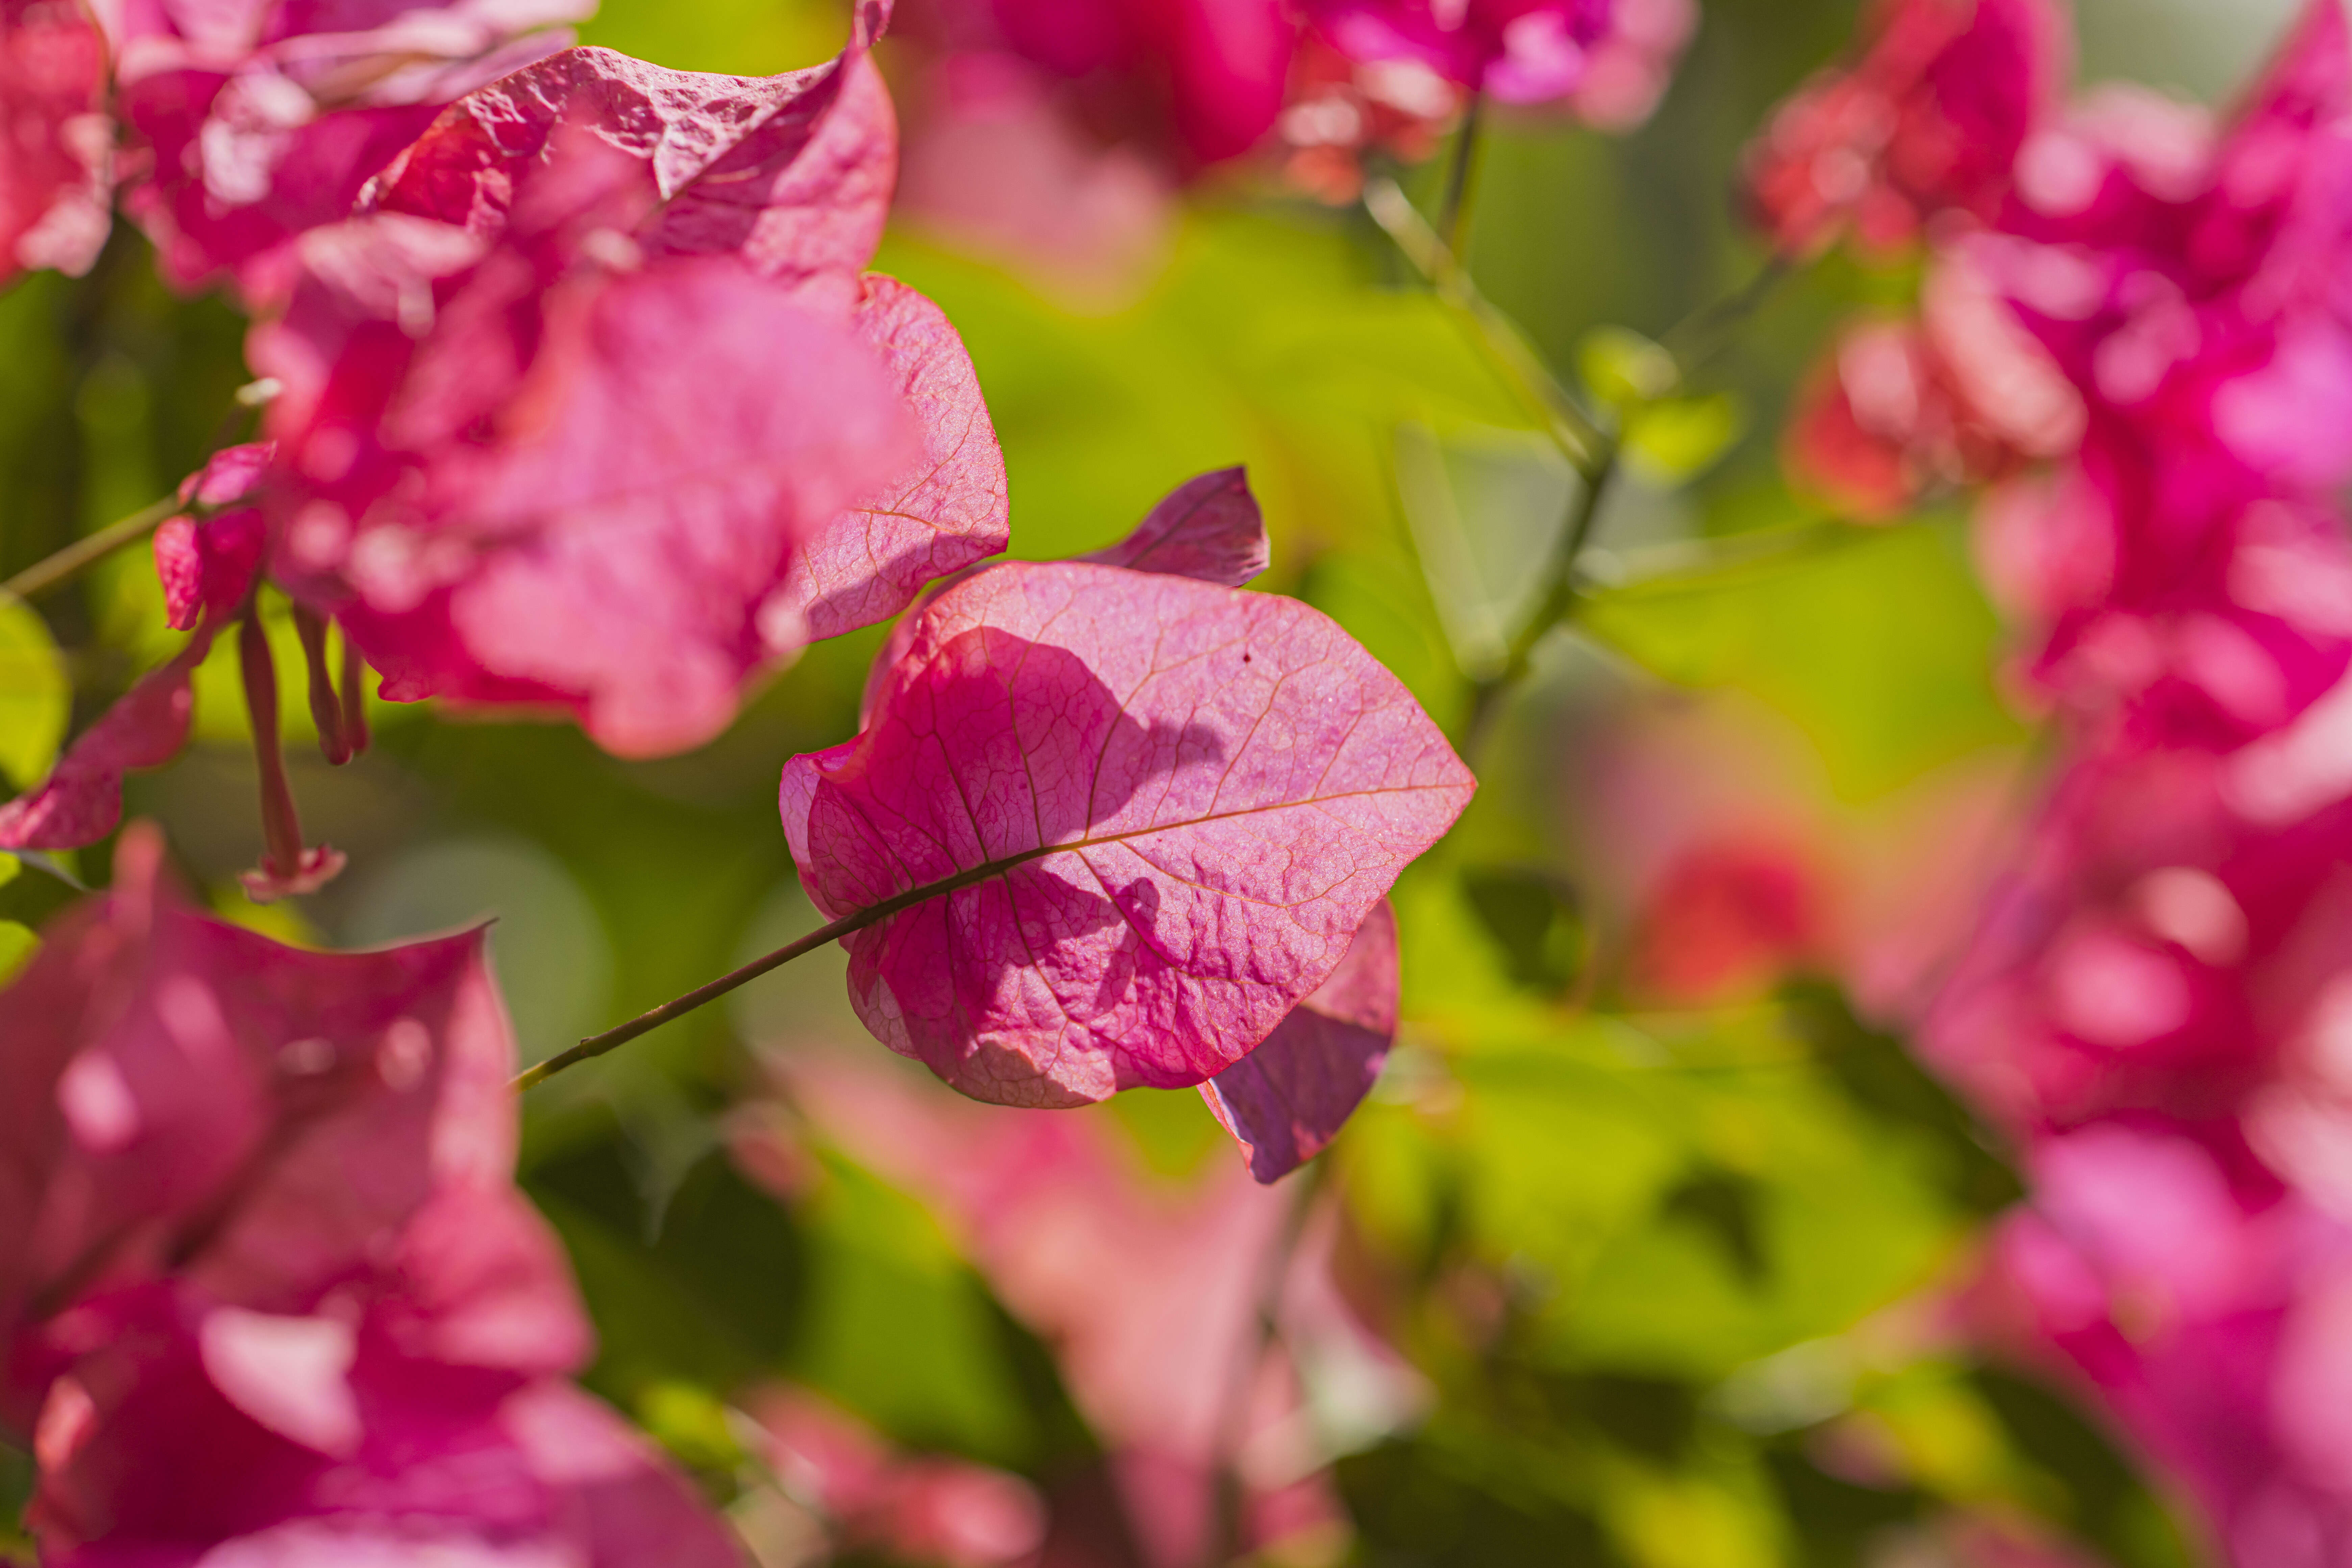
pixel 574 394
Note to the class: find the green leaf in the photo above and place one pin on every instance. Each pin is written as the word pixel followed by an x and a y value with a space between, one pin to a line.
pixel 897 1328
pixel 35 697
pixel 18 945
pixel 1623 369
pixel 1882 650
pixel 1673 441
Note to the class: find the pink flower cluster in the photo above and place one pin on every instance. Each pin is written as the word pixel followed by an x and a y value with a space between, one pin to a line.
pixel 1123 95
pixel 267 1292
pixel 509 458
pixel 2158 1000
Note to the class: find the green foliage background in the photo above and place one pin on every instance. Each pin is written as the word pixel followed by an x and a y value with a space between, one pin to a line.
pixel 1694 1227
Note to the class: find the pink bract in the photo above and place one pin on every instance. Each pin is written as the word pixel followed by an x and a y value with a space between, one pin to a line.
pixel 1208 528
pixel 55 143
pixel 1521 51
pixel 1134 820
pixel 260 120
pixel 529 474
pixel 1930 118
pixel 2204 1307
pixel 915 1510
pixel 519 466
pixel 1203 77
pixel 949 509
pixel 206 566
pixel 264 1279
pixel 1286 1100
pixel 791 172
pixel 81 800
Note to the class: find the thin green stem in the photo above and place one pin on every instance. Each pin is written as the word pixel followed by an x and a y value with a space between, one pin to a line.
pixel 1705 563
pixel 1561 590
pixel 1577 434
pixel 1454 216
pixel 1695 340
pixel 45 574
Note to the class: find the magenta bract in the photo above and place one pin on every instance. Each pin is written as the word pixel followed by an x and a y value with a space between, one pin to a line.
pixel 56 143
pixel 259 120
pixel 264 1278
pixel 81 800
pixel 530 474
pixel 1522 51
pixel 1931 118
pixel 1608 59
pixel 1137 819
pixel 520 466
pixel 791 173
pixel 1211 73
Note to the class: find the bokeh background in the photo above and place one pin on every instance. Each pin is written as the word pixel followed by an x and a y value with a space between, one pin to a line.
pixel 1641 1254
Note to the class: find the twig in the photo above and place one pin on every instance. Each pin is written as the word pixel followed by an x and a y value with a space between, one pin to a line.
pixel 1700 563
pixel 45 574
pixel 1688 340
pixel 1561 588
pixel 856 921
pixel 1454 216
pixel 1577 434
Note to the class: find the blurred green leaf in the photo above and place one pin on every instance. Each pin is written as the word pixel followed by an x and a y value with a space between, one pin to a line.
pixel 1623 369
pixel 693 1425
pixel 899 1330
pixel 35 697
pixel 17 1482
pixel 18 945
pixel 1533 916
pixel 1882 651
pixel 1676 440
pixel 738 38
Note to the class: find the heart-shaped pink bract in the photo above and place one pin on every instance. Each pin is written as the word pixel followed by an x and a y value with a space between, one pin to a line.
pixel 267 1288
pixel 1126 821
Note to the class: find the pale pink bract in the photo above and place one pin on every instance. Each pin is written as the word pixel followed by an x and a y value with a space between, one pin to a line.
pixel 528 474
pixel 1150 811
